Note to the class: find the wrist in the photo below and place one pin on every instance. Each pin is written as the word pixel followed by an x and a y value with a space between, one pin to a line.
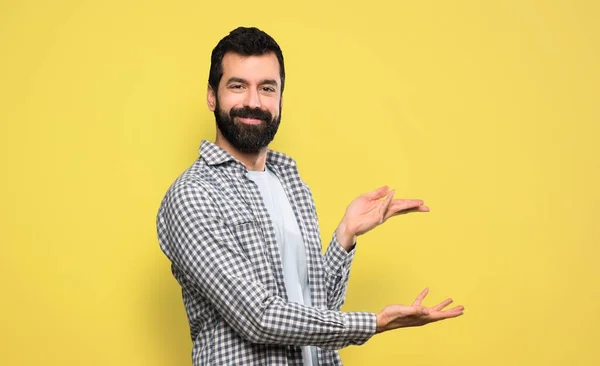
pixel 380 328
pixel 345 237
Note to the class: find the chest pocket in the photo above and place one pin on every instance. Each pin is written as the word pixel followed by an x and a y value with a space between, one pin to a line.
pixel 252 244
pixel 238 216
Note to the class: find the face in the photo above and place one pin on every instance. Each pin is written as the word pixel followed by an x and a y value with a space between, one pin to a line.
pixel 247 105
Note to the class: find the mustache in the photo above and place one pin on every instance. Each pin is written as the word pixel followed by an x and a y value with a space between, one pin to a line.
pixel 248 112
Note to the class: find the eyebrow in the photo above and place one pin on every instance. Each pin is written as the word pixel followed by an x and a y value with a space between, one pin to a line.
pixel 243 81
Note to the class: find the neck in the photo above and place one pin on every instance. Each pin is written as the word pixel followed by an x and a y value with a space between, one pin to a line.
pixel 252 161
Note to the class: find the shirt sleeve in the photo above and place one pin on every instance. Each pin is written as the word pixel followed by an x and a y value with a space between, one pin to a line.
pixel 200 244
pixel 337 269
pixel 337 264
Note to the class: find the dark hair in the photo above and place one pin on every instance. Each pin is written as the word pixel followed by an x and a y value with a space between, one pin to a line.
pixel 246 42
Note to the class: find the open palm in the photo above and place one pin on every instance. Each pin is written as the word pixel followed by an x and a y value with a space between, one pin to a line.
pixel 370 209
pixel 414 315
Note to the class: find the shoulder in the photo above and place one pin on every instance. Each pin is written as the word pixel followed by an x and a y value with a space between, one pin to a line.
pixel 207 191
pixel 191 188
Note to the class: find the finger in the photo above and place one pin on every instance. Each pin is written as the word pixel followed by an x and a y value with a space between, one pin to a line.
pixel 420 298
pixel 417 310
pixel 442 305
pixel 450 313
pixel 407 204
pixel 386 205
pixel 393 212
pixel 377 194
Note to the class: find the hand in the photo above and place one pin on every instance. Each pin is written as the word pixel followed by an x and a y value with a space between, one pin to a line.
pixel 370 210
pixel 415 315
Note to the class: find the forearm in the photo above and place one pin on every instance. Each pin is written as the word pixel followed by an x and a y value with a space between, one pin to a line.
pixel 337 262
pixel 205 250
pixel 287 323
pixel 260 317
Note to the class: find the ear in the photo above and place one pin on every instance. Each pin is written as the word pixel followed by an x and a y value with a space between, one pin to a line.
pixel 211 99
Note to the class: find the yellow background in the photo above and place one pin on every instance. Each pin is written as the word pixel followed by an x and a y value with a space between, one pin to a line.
pixel 487 110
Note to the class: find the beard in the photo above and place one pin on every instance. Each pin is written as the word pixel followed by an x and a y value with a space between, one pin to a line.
pixel 244 137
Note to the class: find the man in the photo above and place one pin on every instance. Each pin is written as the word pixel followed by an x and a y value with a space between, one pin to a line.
pixel 241 231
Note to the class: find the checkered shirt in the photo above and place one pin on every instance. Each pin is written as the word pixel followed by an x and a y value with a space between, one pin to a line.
pixel 216 231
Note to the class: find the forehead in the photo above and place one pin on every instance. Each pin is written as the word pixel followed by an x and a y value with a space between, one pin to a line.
pixel 251 68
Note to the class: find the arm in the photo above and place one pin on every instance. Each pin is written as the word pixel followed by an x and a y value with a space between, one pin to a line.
pixel 202 246
pixel 337 261
pixel 362 215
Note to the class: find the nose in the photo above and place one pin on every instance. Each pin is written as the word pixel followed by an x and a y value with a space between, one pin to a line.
pixel 252 99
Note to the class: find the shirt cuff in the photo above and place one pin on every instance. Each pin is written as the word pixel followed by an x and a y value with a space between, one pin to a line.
pixel 337 257
pixel 361 326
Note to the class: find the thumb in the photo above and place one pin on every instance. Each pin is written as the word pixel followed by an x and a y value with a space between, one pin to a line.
pixel 378 193
pixel 420 311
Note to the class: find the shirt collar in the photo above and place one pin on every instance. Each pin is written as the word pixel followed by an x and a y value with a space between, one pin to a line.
pixel 214 155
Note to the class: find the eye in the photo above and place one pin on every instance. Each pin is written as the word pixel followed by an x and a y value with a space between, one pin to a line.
pixel 268 89
pixel 236 86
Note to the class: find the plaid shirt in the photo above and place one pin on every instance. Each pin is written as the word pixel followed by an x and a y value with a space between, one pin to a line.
pixel 216 231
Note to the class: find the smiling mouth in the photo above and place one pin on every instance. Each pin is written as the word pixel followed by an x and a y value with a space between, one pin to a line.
pixel 250 121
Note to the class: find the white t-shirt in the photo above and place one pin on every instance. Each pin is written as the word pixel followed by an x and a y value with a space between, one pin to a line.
pixel 290 242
